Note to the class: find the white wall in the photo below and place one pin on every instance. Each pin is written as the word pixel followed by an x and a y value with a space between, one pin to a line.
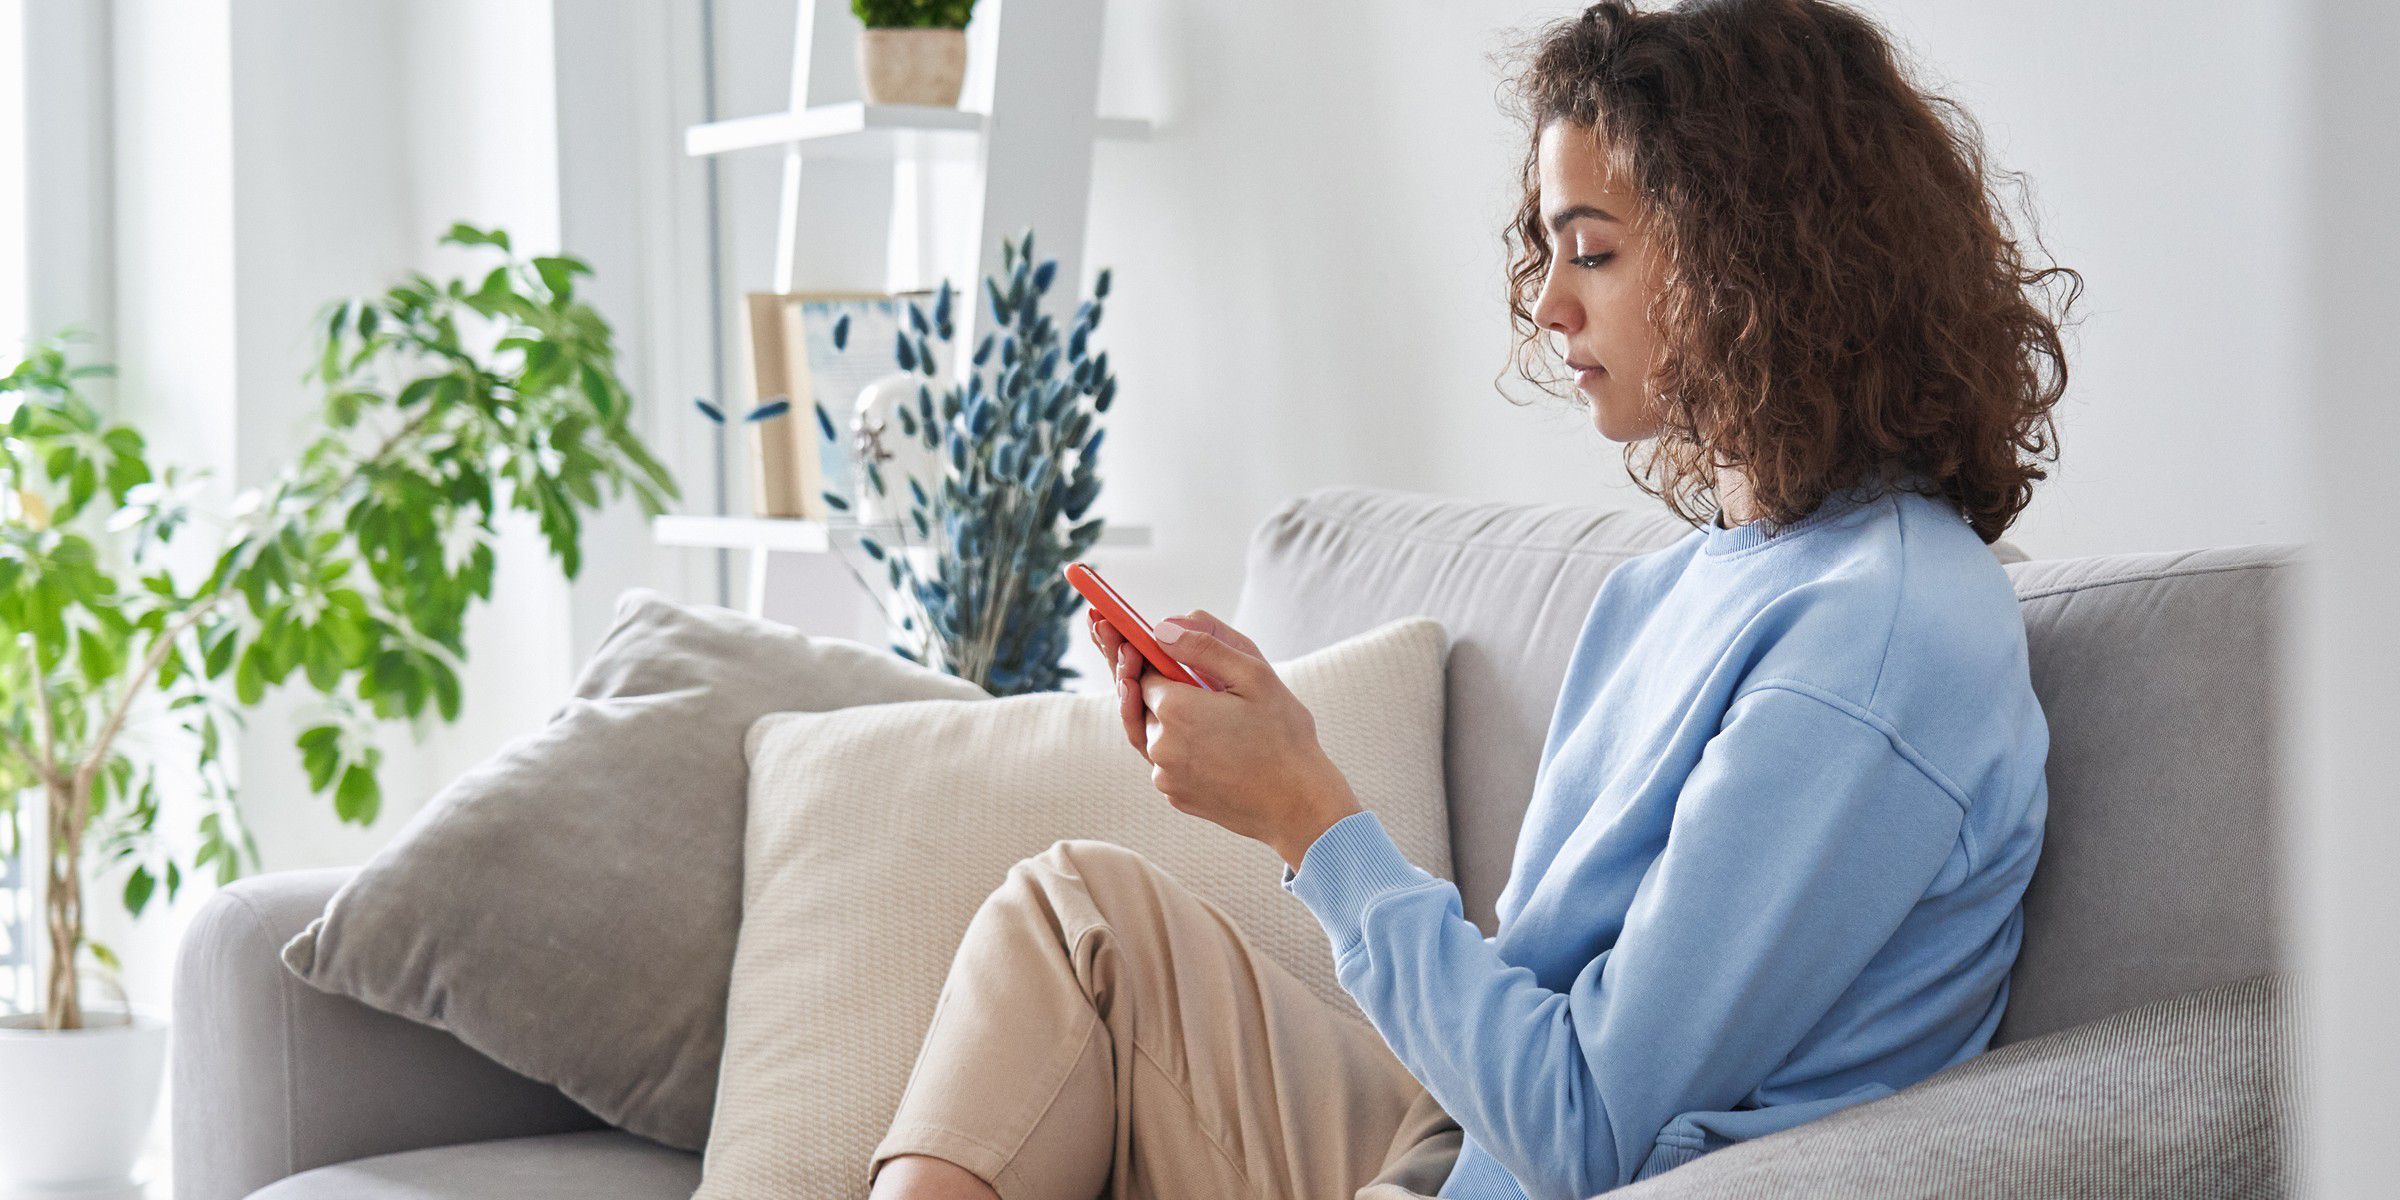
pixel 2164 144
pixel 1308 265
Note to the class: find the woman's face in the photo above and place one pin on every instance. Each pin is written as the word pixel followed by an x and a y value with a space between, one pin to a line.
pixel 1596 296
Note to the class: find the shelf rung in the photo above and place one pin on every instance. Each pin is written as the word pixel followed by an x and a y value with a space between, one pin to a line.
pixel 854 128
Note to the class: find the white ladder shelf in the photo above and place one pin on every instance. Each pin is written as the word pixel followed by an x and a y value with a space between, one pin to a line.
pixel 1032 148
pixel 1032 153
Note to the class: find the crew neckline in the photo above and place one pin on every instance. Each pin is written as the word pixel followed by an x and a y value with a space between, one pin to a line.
pixel 1719 540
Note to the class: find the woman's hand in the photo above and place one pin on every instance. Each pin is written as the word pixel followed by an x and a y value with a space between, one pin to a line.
pixel 1246 757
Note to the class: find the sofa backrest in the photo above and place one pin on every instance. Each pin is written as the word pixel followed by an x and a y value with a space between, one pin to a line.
pixel 2156 874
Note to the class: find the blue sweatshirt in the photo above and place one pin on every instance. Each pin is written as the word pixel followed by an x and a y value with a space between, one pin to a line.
pixel 1773 863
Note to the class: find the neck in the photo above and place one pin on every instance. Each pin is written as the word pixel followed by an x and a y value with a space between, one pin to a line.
pixel 1733 498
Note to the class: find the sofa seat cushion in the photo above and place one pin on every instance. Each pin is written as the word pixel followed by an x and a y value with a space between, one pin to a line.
pixel 598 1165
pixel 2190 1096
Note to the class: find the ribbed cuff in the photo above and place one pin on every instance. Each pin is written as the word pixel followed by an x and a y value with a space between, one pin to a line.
pixel 1350 865
pixel 1476 1174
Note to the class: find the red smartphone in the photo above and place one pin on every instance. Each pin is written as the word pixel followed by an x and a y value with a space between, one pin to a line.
pixel 1113 609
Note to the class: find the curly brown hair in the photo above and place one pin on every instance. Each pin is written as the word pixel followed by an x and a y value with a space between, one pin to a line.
pixel 1842 300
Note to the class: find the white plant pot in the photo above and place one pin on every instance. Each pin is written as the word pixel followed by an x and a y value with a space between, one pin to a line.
pixel 76 1106
pixel 911 65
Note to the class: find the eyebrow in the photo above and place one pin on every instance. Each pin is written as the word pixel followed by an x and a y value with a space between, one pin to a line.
pixel 1559 219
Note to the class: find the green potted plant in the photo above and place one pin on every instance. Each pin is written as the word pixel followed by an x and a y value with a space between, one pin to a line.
pixel 352 571
pixel 912 51
pixel 980 583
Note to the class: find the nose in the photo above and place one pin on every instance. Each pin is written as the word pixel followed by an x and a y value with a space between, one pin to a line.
pixel 1553 309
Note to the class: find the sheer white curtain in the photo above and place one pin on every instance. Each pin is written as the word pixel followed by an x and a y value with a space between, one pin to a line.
pixel 12 177
pixel 16 924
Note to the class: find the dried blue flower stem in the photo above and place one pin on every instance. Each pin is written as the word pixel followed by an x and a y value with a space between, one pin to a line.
pixel 1018 455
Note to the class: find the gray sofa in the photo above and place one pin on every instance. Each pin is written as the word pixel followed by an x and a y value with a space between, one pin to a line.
pixel 2148 1005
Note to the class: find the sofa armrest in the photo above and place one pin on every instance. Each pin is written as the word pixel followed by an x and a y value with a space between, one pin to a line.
pixel 273 1077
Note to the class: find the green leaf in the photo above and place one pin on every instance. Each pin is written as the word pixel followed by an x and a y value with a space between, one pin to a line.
pixel 342 409
pixel 138 887
pixel 447 696
pixel 557 275
pixel 218 655
pixel 96 657
pixel 359 796
pixel 348 635
pixel 417 390
pixel 463 234
pixel 320 755
pixel 329 365
pixel 496 283
pixel 250 677
pixel 600 391
pixel 579 484
pixel 322 662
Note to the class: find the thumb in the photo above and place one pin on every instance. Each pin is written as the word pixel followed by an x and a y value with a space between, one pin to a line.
pixel 1213 657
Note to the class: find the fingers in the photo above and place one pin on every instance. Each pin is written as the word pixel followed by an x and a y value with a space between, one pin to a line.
pixel 1226 666
pixel 1125 663
pixel 1130 708
pixel 1215 626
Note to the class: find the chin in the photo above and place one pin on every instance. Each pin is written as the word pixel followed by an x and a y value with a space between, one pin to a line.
pixel 1616 429
pixel 1610 417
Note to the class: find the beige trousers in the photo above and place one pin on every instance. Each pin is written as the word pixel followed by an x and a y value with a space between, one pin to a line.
pixel 1105 1031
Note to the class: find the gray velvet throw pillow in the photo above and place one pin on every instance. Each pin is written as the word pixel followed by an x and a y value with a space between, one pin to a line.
pixel 569 907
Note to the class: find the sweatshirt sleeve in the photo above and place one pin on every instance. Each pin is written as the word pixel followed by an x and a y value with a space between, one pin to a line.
pixel 1803 834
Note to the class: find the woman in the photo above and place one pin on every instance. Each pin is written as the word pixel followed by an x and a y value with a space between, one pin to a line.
pixel 1792 790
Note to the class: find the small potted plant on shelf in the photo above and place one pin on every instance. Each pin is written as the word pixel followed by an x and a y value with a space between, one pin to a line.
pixel 912 51
pixel 352 570
pixel 977 570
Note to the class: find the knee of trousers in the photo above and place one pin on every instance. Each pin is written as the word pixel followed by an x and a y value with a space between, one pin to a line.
pixel 1111 879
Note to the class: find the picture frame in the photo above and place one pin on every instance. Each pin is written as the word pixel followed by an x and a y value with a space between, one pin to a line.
pixel 792 356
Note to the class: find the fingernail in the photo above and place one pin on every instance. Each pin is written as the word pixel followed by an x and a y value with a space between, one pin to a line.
pixel 1166 632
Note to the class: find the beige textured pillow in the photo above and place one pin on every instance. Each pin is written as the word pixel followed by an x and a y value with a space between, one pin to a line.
pixel 875 833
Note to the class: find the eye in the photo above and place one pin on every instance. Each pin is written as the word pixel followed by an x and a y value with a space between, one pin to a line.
pixel 1591 261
